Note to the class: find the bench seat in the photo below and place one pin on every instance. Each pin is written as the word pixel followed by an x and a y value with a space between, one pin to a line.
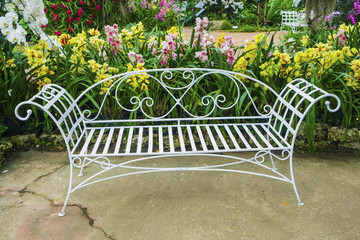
pixel 179 139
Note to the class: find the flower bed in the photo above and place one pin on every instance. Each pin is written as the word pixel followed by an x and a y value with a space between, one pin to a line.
pixel 76 60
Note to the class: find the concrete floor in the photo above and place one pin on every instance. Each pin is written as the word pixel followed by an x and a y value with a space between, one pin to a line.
pixel 180 205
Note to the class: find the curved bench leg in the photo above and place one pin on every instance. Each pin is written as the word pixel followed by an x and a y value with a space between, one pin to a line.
pixel 270 155
pixel 293 180
pixel 62 213
pixel 272 162
pixel 82 167
pixel 300 203
pixel 84 159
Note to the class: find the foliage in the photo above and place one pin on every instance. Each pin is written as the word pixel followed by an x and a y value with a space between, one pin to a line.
pixel 3 129
pixel 265 12
pixel 316 12
pixel 14 86
pixel 159 14
pixel 250 18
pixel 114 11
pixel 71 17
pixel 329 60
pixel 333 66
pixel 226 25
pixel 249 28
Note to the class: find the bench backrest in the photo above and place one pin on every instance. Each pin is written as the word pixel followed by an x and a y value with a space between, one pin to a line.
pixel 181 94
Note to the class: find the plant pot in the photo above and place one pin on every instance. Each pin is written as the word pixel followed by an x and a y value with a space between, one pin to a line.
pixel 14 126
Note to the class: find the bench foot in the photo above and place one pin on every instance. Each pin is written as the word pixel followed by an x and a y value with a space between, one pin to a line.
pixel 61 214
pixel 300 203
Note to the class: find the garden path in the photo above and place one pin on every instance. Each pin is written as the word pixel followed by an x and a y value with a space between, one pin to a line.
pixel 180 205
pixel 238 37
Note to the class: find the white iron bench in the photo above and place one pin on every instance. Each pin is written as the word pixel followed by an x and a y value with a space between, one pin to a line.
pixel 207 112
pixel 293 19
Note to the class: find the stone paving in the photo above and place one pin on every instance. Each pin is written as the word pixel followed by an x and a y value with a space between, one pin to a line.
pixel 180 205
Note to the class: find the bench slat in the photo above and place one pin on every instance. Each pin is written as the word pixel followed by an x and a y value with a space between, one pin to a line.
pixel 128 144
pixel 212 139
pixel 86 144
pixel 262 136
pixel 268 132
pixel 141 129
pixel 191 137
pixel 268 138
pixel 222 139
pixel 247 130
pixel 118 142
pixel 181 138
pixel 232 137
pixel 171 139
pixel 108 141
pixel 98 141
pixel 161 143
pixel 242 137
pixel 150 139
pixel 201 137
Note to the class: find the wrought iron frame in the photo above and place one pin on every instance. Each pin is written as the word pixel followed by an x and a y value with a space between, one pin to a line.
pixel 277 132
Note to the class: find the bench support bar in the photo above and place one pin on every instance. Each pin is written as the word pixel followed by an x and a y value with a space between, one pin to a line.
pixel 262 159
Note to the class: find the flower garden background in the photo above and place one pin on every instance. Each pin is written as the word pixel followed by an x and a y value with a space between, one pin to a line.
pixel 75 43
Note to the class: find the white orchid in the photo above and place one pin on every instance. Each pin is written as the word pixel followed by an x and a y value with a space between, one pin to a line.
pixel 32 12
pixel 12 16
pixel 227 3
pixel 6 31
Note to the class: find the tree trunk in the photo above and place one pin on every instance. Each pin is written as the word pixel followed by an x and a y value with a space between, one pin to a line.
pixel 316 11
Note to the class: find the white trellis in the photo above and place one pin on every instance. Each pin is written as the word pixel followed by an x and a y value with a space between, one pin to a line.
pixel 293 19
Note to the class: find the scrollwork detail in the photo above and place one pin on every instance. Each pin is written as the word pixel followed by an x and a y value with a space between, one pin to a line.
pixel 105 164
pixel 267 109
pixel 78 162
pixel 142 103
pixel 260 155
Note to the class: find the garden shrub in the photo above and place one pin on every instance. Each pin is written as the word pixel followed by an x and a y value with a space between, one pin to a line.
pixel 71 17
pixel 159 14
pixel 251 18
pixel 248 28
pixel 226 25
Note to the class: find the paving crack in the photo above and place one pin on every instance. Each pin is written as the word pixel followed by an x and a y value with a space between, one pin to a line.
pixel 24 190
pixel 82 208
pixel 91 220
pixel 44 175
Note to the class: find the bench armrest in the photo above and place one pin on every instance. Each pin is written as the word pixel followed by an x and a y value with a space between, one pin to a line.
pixel 293 103
pixel 57 103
